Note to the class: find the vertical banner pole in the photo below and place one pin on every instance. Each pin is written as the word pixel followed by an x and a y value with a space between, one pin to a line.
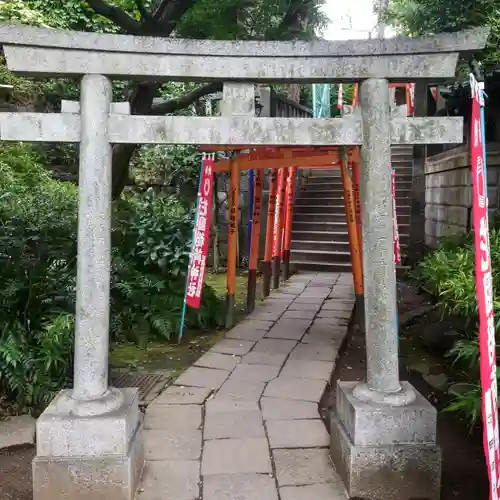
pixel 271 211
pixel 354 244
pixel 251 176
pixel 278 227
pixel 253 262
pixel 484 290
pixel 232 240
pixel 290 193
pixel 198 255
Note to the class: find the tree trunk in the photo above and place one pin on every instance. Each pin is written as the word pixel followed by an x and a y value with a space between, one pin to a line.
pixel 141 102
pixel 293 92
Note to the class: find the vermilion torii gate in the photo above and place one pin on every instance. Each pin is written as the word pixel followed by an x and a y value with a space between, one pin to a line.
pixel 89 439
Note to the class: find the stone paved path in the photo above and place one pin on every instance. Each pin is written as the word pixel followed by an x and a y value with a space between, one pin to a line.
pixel 243 422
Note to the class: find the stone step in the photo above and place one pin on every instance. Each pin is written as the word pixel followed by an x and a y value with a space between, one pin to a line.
pixel 332 247
pixel 331 227
pixel 336 190
pixel 334 267
pixel 307 217
pixel 402 207
pixel 329 236
pixel 338 201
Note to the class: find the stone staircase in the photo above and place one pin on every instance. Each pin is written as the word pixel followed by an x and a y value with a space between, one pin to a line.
pixel 319 231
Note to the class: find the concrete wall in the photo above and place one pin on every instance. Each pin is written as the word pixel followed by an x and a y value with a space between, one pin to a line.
pixel 448 192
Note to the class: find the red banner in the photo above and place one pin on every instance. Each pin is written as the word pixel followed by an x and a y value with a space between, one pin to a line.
pixel 201 236
pixel 340 97
pixel 278 214
pixel 397 248
pixel 484 293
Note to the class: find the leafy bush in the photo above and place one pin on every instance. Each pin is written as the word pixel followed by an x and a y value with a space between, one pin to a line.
pixel 448 273
pixel 38 220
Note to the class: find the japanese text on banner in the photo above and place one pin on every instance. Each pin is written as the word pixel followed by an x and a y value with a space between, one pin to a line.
pixel 397 247
pixel 484 293
pixel 201 236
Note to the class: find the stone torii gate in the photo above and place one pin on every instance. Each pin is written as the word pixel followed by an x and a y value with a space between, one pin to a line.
pixel 89 441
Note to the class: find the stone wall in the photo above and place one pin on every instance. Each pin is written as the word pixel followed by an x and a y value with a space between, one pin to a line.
pixel 448 191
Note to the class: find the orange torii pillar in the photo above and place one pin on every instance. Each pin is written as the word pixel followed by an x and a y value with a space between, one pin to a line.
pixel 253 262
pixel 232 240
pixel 356 179
pixel 290 192
pixel 278 226
pixel 268 252
pixel 352 231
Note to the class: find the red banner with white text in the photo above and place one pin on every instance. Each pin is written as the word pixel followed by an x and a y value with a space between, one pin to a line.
pixel 201 236
pixel 484 293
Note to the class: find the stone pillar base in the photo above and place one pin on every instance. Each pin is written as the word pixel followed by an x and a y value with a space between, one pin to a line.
pixel 385 452
pixel 89 458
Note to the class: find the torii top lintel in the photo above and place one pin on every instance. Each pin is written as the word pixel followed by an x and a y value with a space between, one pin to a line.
pixel 47 52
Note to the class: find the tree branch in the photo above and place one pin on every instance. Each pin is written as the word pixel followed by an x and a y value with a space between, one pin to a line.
pixel 185 100
pixel 170 12
pixel 143 11
pixel 117 15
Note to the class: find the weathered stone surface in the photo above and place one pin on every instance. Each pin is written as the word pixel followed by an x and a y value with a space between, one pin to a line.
pixel 274 346
pixel 304 306
pixel 303 466
pixel 297 433
pixel 236 456
pixel 378 425
pixel 338 305
pixel 176 395
pixel 173 417
pixel 258 373
pixel 222 404
pixel 239 388
pixel 323 491
pixel 203 377
pixel 288 409
pixel 331 322
pixel 321 370
pixel 300 314
pixel 264 358
pixel 172 445
pixel 170 480
pixel 396 472
pixel 247 424
pixel 295 388
pixel 74 477
pixel 332 313
pixel 314 352
pixel 233 346
pixel 292 329
pixel 16 431
pixel 239 486
pixel 316 292
pixel 218 361
pixel 246 333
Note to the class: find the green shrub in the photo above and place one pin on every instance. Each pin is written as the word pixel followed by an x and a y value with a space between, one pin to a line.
pixel 448 273
pixel 38 220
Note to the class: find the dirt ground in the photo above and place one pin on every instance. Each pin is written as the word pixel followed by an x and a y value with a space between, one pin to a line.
pixel 464 470
pixel 15 473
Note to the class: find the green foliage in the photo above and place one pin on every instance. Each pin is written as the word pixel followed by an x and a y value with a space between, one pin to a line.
pixel 151 239
pixel 448 274
pixel 424 17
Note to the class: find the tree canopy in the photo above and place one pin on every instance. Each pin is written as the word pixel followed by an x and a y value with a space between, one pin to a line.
pixel 424 17
pixel 202 19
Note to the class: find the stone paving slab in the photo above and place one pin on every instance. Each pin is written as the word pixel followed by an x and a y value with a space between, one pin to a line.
pixel 302 389
pixel 321 370
pixel 233 346
pixel 236 456
pixel 179 417
pixel 287 409
pixel 203 377
pixel 253 400
pixel 304 466
pixel 170 480
pixel 248 424
pixel 309 433
pixel 275 346
pixel 179 395
pixel 322 491
pixel 218 361
pixel 172 444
